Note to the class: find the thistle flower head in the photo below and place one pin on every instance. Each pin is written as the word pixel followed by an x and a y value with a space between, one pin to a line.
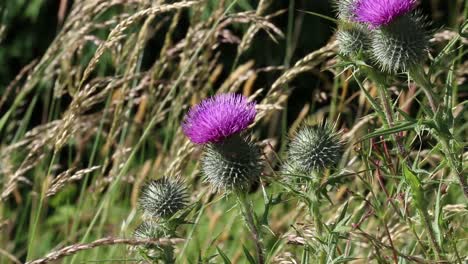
pixel 378 13
pixel 315 148
pixel 163 198
pixel 401 45
pixel 218 117
pixel 232 165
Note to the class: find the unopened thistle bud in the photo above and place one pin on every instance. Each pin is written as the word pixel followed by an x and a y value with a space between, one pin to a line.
pixel 315 148
pixel 399 40
pixel 345 9
pixel 150 230
pixel 163 198
pixel 352 40
pixel 230 161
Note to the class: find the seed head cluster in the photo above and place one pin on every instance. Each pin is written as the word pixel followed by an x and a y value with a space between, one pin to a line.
pixel 163 198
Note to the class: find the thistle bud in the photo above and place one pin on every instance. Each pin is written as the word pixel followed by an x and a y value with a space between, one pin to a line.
pixel 233 164
pixel 163 198
pixel 315 148
pixel 150 230
pixel 352 40
pixel 345 9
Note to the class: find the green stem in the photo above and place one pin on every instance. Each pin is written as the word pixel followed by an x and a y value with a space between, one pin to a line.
pixel 455 166
pixel 420 77
pixel 389 117
pixel 380 82
pixel 432 239
pixel 249 217
pixel 316 215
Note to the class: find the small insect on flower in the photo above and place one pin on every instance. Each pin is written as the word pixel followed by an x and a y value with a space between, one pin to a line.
pixel 378 13
pixel 163 198
pixel 218 118
pixel 315 148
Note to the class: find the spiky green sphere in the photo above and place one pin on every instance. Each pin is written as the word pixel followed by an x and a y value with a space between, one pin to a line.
pixel 149 230
pixel 315 148
pixel 352 40
pixel 163 198
pixel 400 45
pixel 345 8
pixel 232 165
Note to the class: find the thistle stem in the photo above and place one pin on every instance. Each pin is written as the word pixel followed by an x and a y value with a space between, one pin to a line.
pixel 432 239
pixel 455 166
pixel 314 206
pixel 249 217
pixel 389 116
pixel 419 76
pixel 402 151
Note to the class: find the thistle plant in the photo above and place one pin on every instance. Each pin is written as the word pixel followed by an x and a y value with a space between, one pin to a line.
pixel 313 150
pixel 399 43
pixel 231 162
pixel 160 201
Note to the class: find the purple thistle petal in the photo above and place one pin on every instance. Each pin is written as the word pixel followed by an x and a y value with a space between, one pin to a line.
pixel 218 117
pixel 377 13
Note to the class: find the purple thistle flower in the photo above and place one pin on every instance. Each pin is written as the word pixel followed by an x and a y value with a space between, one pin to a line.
pixel 218 117
pixel 377 13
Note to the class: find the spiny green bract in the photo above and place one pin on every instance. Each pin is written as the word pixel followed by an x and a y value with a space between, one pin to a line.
pixel 150 230
pixel 345 8
pixel 314 148
pixel 233 164
pixel 163 198
pixel 352 40
pixel 401 44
